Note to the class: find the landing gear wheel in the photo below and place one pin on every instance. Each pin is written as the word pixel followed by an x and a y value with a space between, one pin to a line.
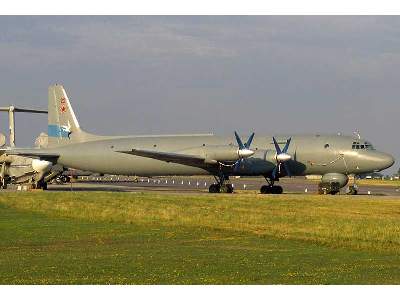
pixel 265 189
pixel 274 189
pixel 40 185
pixel 3 183
pixel 226 188
pixel 277 189
pixel 214 188
pixel 352 190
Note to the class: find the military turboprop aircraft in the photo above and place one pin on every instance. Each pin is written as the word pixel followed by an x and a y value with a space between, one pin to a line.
pixel 333 156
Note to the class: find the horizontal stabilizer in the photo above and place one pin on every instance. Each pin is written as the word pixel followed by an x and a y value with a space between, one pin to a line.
pixel 33 153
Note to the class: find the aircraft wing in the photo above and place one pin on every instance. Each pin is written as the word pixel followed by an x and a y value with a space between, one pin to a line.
pixel 184 159
pixel 33 153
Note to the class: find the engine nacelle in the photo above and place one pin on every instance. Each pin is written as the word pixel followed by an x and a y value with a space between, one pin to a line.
pixel 213 154
pixel 335 177
pixel 41 166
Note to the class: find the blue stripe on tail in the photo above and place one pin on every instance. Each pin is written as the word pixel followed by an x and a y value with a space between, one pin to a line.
pixel 57 131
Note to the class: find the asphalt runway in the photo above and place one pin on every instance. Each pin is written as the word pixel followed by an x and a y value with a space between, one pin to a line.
pixel 201 184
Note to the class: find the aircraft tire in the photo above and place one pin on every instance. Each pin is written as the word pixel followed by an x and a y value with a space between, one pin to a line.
pixel 214 188
pixel 3 184
pixel 265 189
pixel 227 188
pixel 277 189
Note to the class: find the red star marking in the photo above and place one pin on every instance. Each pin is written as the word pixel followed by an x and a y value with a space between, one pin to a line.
pixel 63 109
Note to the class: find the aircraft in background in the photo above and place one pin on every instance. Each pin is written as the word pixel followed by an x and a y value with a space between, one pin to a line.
pixel 332 156
pixel 14 168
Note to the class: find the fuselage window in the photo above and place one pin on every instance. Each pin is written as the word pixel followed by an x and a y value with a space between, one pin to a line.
pixel 326 146
pixel 357 146
pixel 362 146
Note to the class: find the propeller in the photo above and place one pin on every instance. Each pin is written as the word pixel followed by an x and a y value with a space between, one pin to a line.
pixel 244 150
pixel 281 158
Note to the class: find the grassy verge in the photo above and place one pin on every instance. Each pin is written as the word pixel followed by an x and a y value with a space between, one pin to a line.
pixel 379 182
pixel 101 237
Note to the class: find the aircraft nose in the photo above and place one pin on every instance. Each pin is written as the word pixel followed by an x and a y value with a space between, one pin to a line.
pixel 383 161
pixel 387 160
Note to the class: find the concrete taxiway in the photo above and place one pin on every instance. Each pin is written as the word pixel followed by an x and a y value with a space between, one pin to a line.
pixel 201 184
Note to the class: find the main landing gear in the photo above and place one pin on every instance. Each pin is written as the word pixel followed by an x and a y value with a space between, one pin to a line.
pixel 221 186
pixel 271 188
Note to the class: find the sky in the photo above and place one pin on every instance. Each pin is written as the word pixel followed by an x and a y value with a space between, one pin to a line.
pixel 199 74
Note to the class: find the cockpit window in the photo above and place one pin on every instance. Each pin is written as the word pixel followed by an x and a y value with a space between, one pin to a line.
pixel 362 145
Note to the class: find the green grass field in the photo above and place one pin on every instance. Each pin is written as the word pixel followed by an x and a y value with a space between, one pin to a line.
pixel 161 238
pixel 379 182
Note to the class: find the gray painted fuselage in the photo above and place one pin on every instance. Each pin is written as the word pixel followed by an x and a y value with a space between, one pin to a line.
pixel 311 154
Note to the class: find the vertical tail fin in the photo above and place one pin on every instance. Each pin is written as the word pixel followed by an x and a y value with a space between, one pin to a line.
pixel 63 126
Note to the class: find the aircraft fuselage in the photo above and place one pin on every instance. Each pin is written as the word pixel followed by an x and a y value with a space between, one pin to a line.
pixel 311 154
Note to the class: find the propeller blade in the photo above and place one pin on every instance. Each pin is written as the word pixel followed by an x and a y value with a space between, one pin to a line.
pixel 285 149
pixel 250 139
pixel 244 151
pixel 277 148
pixel 274 172
pixel 287 169
pixel 237 165
pixel 239 141
pixel 281 158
